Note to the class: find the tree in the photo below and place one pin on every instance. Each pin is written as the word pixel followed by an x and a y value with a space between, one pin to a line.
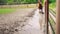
pixel 17 1
pixel 10 1
pixel 51 1
pixel 3 2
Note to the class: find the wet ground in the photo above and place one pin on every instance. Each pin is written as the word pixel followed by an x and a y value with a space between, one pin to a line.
pixel 23 21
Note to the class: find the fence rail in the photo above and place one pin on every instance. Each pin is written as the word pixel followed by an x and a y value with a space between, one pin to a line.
pixel 52 21
pixel 19 6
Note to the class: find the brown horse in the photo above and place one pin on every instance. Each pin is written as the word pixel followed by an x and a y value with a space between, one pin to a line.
pixel 40 7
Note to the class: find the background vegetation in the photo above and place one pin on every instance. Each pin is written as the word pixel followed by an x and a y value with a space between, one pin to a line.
pixel 52 3
pixel 2 2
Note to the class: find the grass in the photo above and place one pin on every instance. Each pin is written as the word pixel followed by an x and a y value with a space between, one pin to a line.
pixel 6 10
pixel 53 6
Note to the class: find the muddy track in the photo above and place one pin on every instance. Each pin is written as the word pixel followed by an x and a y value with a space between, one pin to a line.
pixel 10 22
pixel 23 21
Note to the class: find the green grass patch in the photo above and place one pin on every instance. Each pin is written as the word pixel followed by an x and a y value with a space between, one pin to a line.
pixel 6 10
pixel 52 5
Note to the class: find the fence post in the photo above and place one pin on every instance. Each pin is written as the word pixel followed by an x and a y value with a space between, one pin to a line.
pixel 46 15
pixel 57 16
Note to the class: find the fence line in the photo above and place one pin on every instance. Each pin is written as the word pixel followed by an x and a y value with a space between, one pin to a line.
pixel 51 15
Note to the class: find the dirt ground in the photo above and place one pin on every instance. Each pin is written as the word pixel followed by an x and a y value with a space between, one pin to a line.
pixel 9 22
pixel 22 21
